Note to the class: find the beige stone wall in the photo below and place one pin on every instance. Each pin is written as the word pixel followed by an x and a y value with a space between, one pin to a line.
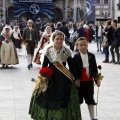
pixel 60 4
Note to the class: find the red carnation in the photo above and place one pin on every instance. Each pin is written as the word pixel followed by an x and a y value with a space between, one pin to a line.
pixel 46 72
pixel 26 36
pixel 0 42
pixel 99 67
pixel 21 40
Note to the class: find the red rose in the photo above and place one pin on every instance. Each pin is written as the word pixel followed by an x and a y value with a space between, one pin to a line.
pixel 99 67
pixel 46 72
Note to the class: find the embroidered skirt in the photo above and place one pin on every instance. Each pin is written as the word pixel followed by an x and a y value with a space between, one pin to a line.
pixel 71 112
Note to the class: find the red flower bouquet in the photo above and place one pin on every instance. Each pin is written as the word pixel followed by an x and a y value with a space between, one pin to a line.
pixel 43 79
pixel 46 72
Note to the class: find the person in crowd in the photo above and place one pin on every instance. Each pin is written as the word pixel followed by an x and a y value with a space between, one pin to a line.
pixel 8 54
pixel 86 32
pixel 99 28
pixel 60 100
pixel 51 24
pixel 16 36
pixel 86 67
pixel 30 37
pixel 65 30
pixel 72 32
pixel 45 39
pixel 91 33
pixel 108 35
pixel 116 43
pixel 81 31
pixel 58 25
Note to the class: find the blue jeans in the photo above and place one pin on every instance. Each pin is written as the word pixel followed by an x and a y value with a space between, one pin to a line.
pixel 106 51
pixel 99 41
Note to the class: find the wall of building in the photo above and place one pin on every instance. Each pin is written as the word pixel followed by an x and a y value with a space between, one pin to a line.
pixel 111 9
pixel 104 11
pixel 117 10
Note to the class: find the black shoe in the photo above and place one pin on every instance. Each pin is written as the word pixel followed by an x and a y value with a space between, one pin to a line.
pixel 97 50
pixel 3 66
pixel 29 67
pixel 102 52
pixel 112 61
pixel 95 119
pixel 117 63
pixel 7 66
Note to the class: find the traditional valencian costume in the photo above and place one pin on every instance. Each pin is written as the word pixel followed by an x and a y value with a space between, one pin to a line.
pixel 45 40
pixel 16 37
pixel 86 67
pixel 60 100
pixel 8 54
pixel 30 37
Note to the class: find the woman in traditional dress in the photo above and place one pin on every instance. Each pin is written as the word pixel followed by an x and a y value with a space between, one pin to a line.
pixel 8 52
pixel 45 40
pixel 16 35
pixel 60 100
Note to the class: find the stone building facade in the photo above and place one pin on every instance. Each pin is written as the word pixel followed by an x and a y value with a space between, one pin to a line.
pixel 64 9
pixel 67 9
pixel 104 10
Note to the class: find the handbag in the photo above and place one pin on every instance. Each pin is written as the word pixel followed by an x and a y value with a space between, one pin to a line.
pixel 105 42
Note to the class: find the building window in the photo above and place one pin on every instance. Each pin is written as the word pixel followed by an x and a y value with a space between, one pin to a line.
pixel 118 19
pixel 118 6
pixel 105 1
pixel 98 1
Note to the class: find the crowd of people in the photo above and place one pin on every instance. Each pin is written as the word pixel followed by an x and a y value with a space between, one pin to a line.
pixel 72 84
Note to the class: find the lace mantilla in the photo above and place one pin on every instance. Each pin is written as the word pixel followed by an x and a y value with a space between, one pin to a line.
pixel 65 53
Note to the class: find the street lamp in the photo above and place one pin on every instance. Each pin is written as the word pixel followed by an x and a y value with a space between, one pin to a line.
pixel 105 14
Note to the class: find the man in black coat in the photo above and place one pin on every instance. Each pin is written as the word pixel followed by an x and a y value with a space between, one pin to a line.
pixel 81 31
pixel 116 43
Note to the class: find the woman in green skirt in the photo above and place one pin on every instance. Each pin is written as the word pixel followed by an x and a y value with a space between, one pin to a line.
pixel 60 100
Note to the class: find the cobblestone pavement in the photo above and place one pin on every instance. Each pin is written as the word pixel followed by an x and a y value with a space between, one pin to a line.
pixel 16 89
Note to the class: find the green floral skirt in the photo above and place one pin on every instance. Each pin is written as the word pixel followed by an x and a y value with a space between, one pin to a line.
pixel 71 112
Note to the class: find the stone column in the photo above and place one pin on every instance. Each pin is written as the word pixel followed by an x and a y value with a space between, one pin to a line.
pixel 4 11
pixel 75 10
pixel 66 9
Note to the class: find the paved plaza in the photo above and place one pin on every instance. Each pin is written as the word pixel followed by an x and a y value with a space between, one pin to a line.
pixel 16 89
